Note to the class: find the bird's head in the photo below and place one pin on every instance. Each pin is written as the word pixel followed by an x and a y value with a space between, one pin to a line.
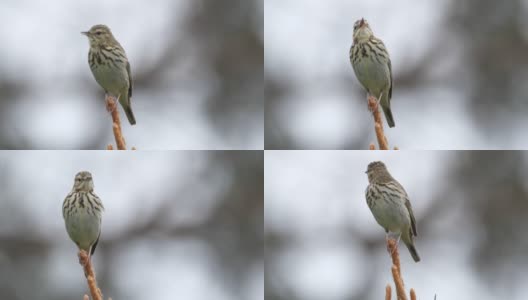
pixel 83 182
pixel 362 31
pixel 376 170
pixel 99 35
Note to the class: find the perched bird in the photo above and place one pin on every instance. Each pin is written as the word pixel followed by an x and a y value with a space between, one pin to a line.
pixel 110 66
pixel 390 205
pixel 372 65
pixel 82 211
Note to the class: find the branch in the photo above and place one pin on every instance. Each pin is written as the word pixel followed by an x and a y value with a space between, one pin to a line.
pixel 392 246
pixel 388 292
pixel 85 261
pixel 111 106
pixel 413 294
pixel 378 125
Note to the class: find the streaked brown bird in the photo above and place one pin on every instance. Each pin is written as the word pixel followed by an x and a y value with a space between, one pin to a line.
pixel 82 211
pixel 371 63
pixel 390 205
pixel 110 67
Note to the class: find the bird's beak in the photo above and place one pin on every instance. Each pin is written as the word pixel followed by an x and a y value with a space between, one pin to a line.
pixel 84 33
pixel 362 22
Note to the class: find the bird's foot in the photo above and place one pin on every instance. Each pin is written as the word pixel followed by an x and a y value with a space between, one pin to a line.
pixel 373 102
pixel 389 248
pixel 84 257
pixel 111 103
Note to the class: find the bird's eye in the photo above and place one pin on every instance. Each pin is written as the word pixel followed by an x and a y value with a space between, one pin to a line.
pixel 98 33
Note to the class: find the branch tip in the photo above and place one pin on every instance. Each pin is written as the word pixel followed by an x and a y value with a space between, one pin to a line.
pixel 111 106
pixel 378 123
pixel 86 263
pixel 388 292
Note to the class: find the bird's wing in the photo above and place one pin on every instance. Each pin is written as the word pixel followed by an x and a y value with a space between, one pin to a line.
pixel 390 74
pixel 92 249
pixel 380 42
pixel 129 80
pixel 413 220
pixel 64 205
pixel 98 200
pixel 409 209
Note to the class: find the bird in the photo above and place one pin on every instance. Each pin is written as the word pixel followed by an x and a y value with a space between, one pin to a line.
pixel 82 211
pixel 110 66
pixel 389 203
pixel 372 65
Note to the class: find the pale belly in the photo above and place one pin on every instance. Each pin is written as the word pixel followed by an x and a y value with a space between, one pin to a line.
pixel 84 229
pixel 392 215
pixel 113 80
pixel 373 76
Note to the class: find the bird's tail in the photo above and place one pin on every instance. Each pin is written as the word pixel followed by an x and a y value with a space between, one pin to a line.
pixel 409 242
pixel 125 103
pixel 387 110
pixel 388 116
pixel 413 251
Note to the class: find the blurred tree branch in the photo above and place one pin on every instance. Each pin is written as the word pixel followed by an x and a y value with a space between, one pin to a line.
pixel 392 246
pixel 111 106
pixel 86 262
pixel 378 125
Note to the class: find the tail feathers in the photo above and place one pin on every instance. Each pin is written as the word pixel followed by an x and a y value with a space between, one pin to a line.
pixel 130 115
pixel 388 116
pixel 125 103
pixel 92 248
pixel 413 251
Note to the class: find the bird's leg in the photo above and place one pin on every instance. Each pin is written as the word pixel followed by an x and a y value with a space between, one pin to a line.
pixel 379 98
pixel 373 105
pixel 111 103
pixel 84 258
pixel 387 237
pixel 397 242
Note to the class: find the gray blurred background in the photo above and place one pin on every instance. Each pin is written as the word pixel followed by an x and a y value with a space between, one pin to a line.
pixel 459 69
pixel 322 242
pixel 197 69
pixel 177 225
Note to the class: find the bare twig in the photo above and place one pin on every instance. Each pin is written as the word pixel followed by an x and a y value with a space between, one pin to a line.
pixel 111 106
pixel 398 282
pixel 90 276
pixel 392 246
pixel 413 295
pixel 388 292
pixel 378 125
